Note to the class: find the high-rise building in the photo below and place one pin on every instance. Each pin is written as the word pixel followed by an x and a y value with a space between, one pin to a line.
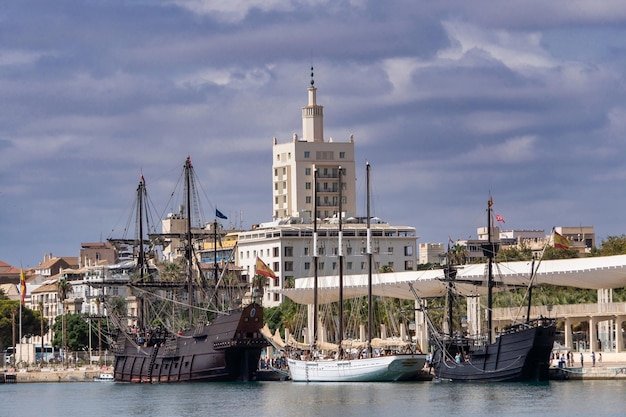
pixel 294 164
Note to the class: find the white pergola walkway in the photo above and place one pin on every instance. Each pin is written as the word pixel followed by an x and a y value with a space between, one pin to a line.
pixel 591 273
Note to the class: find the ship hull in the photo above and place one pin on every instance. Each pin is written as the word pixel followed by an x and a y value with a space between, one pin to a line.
pixel 377 369
pixel 522 355
pixel 227 349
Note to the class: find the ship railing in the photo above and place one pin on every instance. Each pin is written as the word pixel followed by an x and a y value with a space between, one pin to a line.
pixel 538 322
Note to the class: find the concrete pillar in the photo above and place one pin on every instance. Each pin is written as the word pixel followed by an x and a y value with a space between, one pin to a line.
pixel 593 334
pixel 619 339
pixel 568 333
pixel 421 329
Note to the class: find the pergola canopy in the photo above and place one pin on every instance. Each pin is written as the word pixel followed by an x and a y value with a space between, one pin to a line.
pixel 590 273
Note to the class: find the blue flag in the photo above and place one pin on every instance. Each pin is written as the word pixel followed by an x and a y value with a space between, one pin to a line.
pixel 219 214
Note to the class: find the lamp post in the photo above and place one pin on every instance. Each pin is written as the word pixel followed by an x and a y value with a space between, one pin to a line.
pixel 549 308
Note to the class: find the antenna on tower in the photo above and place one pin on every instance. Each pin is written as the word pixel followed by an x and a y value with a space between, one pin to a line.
pixel 312 80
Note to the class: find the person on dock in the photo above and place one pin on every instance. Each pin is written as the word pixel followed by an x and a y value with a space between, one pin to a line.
pixel 581 359
pixel 593 359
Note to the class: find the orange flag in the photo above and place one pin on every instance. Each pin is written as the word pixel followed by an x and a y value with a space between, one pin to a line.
pixel 262 269
pixel 22 286
pixel 560 241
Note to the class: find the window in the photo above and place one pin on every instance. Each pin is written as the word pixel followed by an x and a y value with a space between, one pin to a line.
pixel 349 250
pixel 308 199
pixel 307 185
pixel 408 265
pixel 320 251
pixel 306 251
pixel 390 250
pixel 321 268
pixel 349 266
pixel 307 154
pixel 307 171
pixel 276 252
pixel 289 251
pixel 288 266
pixel 408 251
pixel 276 266
pixel 307 266
pixel 342 155
pixel 334 266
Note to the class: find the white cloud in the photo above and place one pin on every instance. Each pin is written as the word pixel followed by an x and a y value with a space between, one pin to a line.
pixel 232 11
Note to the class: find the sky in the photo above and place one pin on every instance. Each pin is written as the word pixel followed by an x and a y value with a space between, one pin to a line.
pixel 450 101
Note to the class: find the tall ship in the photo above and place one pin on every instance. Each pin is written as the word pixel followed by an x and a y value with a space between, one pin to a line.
pixel 367 360
pixel 190 322
pixel 519 352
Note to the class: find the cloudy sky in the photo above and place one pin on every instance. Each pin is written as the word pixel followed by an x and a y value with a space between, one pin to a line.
pixel 449 101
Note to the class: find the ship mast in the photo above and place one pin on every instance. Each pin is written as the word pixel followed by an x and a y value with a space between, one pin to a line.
pixel 340 256
pixel 370 310
pixel 315 256
pixel 189 243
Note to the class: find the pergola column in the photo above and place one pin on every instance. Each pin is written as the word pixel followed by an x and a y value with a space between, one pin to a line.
pixel 568 333
pixel 593 336
pixel 619 339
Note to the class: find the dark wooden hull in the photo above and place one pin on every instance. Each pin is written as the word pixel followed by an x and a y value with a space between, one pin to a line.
pixel 519 355
pixel 228 349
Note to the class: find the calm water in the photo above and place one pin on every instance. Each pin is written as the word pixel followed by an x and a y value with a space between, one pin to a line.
pixel 278 399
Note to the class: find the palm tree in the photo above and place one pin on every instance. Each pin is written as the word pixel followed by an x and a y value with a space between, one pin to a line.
pixel 41 324
pixel 64 287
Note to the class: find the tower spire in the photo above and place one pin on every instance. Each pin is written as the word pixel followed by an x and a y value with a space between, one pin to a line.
pixel 312 116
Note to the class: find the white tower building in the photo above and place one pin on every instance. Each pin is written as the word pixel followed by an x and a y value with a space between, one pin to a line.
pixel 295 162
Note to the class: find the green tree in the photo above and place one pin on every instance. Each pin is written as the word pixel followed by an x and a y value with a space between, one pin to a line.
pixel 613 245
pixel 30 321
pixel 514 253
pixel 64 288
pixel 458 255
pixel 76 329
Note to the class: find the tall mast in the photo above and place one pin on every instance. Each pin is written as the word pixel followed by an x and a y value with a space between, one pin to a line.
pixel 340 256
pixel 216 270
pixel 315 255
pixel 141 257
pixel 370 310
pixel 189 248
pixel 490 254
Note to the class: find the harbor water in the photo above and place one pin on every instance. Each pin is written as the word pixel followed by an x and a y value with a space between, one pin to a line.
pixel 289 399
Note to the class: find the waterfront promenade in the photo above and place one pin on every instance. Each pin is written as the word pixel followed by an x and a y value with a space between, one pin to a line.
pixel 613 366
pixel 81 374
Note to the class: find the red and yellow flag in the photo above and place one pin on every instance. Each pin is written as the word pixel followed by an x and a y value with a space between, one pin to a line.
pixel 560 241
pixel 22 286
pixel 262 269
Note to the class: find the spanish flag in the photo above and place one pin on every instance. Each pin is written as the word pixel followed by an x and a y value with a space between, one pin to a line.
pixel 560 242
pixel 262 269
pixel 22 286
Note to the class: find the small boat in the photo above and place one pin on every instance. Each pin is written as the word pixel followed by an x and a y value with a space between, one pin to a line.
pixel 104 377
pixel 309 364
pixel 520 352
